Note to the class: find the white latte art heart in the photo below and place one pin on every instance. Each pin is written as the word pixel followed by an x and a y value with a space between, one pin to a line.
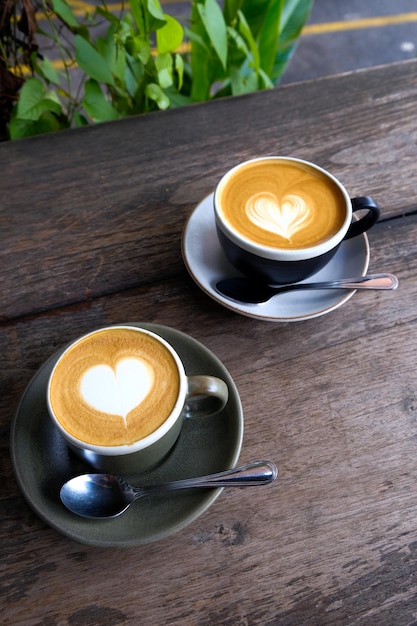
pixel 284 219
pixel 117 391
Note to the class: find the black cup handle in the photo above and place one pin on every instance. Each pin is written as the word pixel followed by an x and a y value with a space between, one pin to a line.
pixel 366 221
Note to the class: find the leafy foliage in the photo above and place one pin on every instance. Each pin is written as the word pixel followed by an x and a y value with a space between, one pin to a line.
pixel 146 60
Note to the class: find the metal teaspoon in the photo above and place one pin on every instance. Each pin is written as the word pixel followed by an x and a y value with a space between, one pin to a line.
pixel 245 290
pixel 104 496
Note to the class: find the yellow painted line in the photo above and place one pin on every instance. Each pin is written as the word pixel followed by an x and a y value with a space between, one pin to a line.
pixel 79 4
pixel 367 22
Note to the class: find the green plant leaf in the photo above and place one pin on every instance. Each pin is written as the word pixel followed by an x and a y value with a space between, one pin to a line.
pixel 108 15
pixel 112 49
pixel 63 10
pixel 18 129
pixel 239 42
pixel 143 51
pixel 179 67
pixel 177 99
pixel 96 104
pixel 269 35
pixel 49 72
pixel 136 6
pixel 157 17
pixel 170 36
pixel 200 77
pixel 213 21
pixel 118 65
pixel 164 66
pixel 34 100
pixel 202 65
pixel 155 93
pixel 275 25
pixel 137 47
pixel 265 81
pixel 245 31
pixel 241 84
pixel 91 62
pixel 135 79
pixel 294 16
pixel 230 10
pixel 257 12
pixel 80 120
pixel 148 15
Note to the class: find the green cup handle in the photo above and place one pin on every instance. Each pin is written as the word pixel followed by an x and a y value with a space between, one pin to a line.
pixel 206 395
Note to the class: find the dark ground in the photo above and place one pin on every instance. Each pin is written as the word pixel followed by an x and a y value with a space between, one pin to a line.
pixel 360 42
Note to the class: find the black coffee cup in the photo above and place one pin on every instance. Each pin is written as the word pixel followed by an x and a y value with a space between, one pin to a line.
pixel 281 219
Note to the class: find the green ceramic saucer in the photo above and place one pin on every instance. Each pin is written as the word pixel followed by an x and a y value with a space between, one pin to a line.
pixel 42 462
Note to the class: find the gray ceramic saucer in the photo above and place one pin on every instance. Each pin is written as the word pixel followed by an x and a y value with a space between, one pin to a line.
pixel 207 264
pixel 42 461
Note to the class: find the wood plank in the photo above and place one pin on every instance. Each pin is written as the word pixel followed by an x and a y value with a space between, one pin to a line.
pixel 179 303
pixel 93 230
pixel 332 400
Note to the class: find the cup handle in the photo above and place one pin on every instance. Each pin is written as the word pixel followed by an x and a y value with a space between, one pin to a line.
pixel 206 395
pixel 366 221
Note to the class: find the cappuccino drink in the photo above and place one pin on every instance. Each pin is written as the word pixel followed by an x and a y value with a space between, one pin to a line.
pixel 281 204
pixel 114 387
pixel 280 219
pixel 119 396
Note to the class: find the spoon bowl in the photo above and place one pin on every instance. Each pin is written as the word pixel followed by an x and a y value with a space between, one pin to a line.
pixel 105 496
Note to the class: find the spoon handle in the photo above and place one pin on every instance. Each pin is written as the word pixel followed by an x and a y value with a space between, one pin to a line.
pixel 372 281
pixel 256 473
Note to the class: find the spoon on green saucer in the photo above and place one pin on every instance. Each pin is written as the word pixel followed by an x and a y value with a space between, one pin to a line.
pixel 104 496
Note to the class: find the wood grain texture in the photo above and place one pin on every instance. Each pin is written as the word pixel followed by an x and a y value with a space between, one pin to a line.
pixel 332 400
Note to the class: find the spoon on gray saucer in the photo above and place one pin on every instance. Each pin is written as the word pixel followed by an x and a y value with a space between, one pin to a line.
pixel 104 496
pixel 245 290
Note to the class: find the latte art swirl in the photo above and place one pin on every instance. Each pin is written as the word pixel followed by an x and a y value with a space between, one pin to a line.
pixel 285 218
pixel 281 203
pixel 118 390
pixel 114 387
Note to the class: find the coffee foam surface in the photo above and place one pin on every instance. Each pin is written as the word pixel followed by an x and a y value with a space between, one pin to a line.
pixel 282 204
pixel 117 390
pixel 114 387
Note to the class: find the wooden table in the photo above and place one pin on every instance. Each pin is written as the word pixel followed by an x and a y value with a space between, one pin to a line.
pixel 90 228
